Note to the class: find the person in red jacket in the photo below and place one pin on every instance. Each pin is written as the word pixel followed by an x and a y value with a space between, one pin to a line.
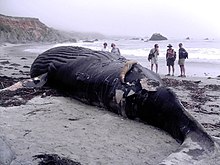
pixel 170 58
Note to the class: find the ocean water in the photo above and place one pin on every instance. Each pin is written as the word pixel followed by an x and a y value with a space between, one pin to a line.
pixel 204 55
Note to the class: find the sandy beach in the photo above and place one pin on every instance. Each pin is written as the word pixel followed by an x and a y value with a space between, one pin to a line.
pixel 60 125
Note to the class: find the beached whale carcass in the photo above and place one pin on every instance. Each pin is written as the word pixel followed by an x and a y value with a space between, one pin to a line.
pixel 126 88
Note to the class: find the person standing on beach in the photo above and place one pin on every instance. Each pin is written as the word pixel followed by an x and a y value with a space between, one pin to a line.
pixel 183 54
pixel 170 58
pixel 153 57
pixel 105 48
pixel 115 50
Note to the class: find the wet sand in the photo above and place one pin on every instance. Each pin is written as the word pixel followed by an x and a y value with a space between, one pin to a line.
pixel 60 125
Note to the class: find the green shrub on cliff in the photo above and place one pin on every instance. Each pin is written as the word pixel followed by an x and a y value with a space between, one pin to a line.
pixel 5 28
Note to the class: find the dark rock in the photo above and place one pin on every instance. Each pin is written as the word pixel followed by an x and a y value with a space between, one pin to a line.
pixel 91 41
pixel 4 62
pixel 157 37
pixel 135 38
pixel 26 66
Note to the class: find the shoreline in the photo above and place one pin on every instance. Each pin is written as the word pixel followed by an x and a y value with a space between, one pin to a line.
pixel 194 69
pixel 91 135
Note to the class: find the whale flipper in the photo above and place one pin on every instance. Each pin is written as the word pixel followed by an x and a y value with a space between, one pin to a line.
pixel 36 82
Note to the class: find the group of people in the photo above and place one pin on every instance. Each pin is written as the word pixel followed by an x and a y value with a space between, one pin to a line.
pixel 114 49
pixel 153 57
pixel 170 59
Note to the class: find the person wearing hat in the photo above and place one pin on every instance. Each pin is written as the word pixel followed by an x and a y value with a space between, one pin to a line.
pixel 170 58
pixel 105 48
pixel 183 54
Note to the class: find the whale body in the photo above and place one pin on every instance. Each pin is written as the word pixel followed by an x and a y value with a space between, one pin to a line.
pixel 128 89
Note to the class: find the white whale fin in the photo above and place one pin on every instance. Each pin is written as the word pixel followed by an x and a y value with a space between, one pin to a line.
pixel 36 82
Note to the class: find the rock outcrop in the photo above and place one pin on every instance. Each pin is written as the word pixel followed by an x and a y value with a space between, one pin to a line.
pixel 24 29
pixel 157 37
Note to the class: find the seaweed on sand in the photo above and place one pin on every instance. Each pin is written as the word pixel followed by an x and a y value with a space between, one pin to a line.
pixel 54 159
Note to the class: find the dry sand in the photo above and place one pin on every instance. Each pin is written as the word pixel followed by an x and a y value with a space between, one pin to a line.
pixel 90 135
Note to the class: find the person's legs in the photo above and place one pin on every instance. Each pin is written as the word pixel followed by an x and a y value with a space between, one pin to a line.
pixel 156 68
pixel 168 69
pixel 152 65
pixel 183 71
pixel 182 67
pixel 173 70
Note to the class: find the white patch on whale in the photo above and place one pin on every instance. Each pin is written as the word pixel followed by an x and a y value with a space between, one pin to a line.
pixel 149 84
pixel 119 95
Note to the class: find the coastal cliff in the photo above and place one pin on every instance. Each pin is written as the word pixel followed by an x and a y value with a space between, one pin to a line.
pixel 24 29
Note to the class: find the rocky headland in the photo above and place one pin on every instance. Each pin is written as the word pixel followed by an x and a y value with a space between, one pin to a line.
pixel 26 30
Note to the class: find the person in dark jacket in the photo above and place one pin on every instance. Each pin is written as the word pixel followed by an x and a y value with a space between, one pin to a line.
pixel 182 56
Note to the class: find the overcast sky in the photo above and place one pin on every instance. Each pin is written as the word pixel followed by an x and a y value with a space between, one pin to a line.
pixel 141 18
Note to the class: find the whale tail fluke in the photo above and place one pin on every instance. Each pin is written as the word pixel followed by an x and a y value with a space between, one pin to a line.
pixel 197 146
pixel 195 150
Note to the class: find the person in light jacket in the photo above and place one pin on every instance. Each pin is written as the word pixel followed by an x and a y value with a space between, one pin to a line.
pixel 154 53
